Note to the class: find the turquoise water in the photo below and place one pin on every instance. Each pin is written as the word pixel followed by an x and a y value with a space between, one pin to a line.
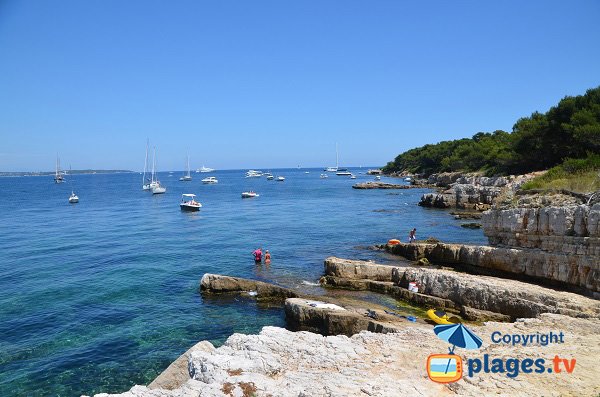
pixel 103 294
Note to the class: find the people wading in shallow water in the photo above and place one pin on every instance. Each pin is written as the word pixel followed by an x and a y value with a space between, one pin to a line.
pixel 412 236
pixel 267 257
pixel 257 255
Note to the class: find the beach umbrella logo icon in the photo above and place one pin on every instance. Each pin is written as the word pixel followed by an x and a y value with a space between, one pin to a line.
pixel 448 368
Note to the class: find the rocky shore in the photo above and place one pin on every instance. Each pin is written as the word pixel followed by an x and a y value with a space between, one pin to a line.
pixel 470 191
pixel 278 362
pixel 349 347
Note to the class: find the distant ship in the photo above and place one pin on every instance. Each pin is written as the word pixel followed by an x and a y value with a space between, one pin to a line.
pixel 204 169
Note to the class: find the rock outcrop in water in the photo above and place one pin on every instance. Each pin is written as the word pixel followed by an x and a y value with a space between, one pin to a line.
pixel 216 283
pixel 379 185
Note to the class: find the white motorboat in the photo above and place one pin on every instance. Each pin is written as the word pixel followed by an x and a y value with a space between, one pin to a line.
pixel 249 194
pixel 204 169
pixel 187 177
pixel 280 179
pixel 253 174
pixel 189 203
pixel 408 179
pixel 352 176
pixel 210 179
pixel 377 178
pixel 323 176
pixel 73 198
pixel 307 172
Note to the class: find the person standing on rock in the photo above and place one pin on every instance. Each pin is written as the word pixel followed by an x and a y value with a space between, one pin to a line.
pixel 412 236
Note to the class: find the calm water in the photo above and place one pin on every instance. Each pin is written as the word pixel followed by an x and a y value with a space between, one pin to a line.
pixel 103 294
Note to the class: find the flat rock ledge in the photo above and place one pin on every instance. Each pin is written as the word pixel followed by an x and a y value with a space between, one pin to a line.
pixel 218 284
pixel 578 272
pixel 476 297
pixel 278 362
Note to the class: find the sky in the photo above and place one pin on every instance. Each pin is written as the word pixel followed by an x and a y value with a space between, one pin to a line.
pixel 267 84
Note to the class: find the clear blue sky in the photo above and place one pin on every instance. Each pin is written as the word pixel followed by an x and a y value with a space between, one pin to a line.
pixel 265 84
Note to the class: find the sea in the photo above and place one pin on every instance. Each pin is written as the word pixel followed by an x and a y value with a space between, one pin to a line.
pixel 104 294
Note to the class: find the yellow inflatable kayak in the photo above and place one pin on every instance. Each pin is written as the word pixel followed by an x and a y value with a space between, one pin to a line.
pixel 393 242
pixel 441 317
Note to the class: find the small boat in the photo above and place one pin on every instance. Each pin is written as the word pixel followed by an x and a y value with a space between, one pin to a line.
pixel 280 179
pixel 58 175
pixel 187 177
pixel 408 179
pixel 249 194
pixel 253 174
pixel 352 176
pixel 159 189
pixel 441 317
pixel 306 172
pixel 73 198
pixel 343 172
pixel 204 169
pixel 334 169
pixel 153 182
pixel 146 182
pixel 323 176
pixel 189 203
pixel 209 180
pixel 377 178
pixel 270 178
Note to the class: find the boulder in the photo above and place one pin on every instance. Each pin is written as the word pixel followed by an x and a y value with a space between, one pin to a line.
pixel 216 283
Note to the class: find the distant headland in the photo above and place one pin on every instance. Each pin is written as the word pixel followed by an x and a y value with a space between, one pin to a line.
pixel 71 172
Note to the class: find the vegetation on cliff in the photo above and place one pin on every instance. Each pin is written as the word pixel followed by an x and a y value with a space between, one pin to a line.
pixel 577 175
pixel 569 130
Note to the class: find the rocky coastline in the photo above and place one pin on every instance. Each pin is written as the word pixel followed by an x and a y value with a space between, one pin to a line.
pixel 539 272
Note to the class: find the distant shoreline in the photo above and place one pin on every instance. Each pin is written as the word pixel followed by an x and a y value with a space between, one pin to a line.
pixel 73 172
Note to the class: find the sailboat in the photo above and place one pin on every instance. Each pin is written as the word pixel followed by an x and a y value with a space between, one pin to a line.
pixel 145 182
pixel 334 169
pixel 341 171
pixel 155 185
pixel 58 175
pixel 188 177
pixel 73 198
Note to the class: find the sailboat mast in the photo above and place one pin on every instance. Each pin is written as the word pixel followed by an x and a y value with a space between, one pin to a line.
pixel 188 165
pixel 337 165
pixel 145 163
pixel 153 163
